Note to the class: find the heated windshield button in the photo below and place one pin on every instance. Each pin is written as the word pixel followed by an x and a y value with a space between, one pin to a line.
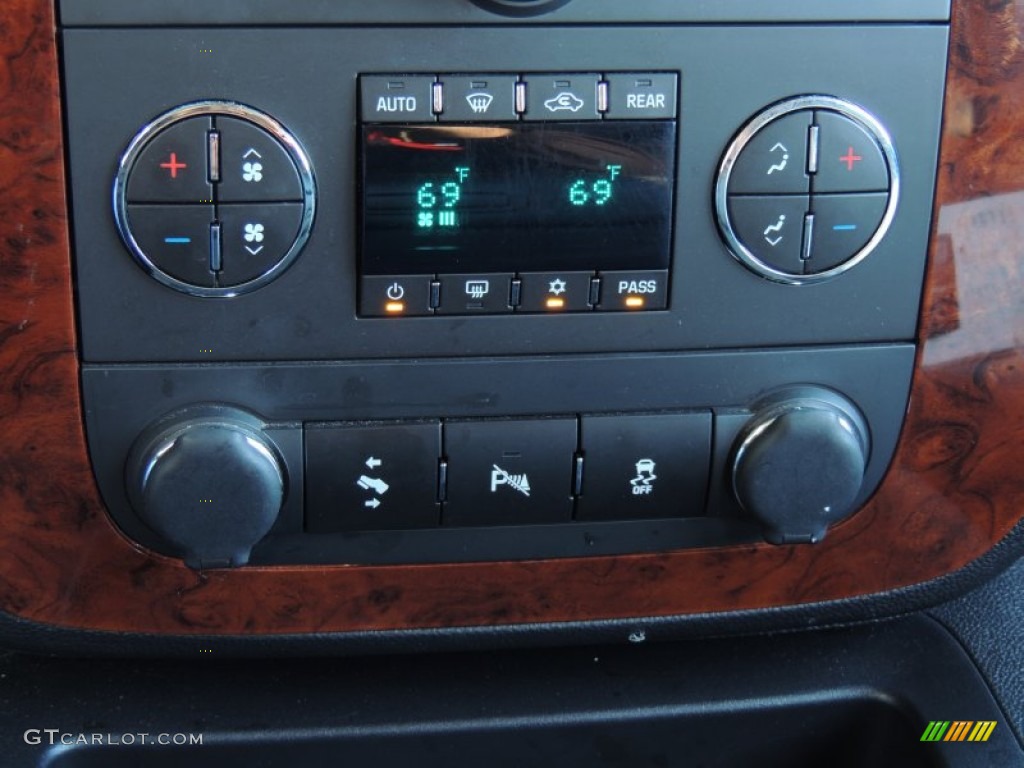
pixel 647 466
pixel 509 472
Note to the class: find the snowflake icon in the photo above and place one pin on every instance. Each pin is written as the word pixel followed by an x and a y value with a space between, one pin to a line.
pixel 556 287
pixel 254 233
pixel 252 172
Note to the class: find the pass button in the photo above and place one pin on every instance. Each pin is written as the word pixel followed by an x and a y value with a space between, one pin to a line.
pixel 633 291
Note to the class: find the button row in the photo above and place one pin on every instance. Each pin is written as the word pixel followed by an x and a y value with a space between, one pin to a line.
pixel 205 159
pixel 516 472
pixel 804 236
pixel 212 247
pixel 504 293
pixel 508 97
pixel 810 152
pixel 808 191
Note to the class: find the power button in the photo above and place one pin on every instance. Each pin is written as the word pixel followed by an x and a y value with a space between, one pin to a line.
pixel 395 295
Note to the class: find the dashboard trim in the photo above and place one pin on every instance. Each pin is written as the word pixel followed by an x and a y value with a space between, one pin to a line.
pixel 952 494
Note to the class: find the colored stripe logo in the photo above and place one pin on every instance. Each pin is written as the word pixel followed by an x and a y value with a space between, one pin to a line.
pixel 958 730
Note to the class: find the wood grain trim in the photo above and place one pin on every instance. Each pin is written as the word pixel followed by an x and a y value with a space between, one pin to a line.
pixel 954 490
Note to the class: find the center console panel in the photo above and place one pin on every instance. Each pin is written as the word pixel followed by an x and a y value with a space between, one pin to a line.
pixel 350 295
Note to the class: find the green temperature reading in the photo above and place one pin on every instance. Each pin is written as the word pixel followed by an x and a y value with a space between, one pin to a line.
pixel 583 192
pixel 436 202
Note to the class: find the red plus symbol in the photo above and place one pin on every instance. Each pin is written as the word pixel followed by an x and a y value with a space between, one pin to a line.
pixel 849 158
pixel 173 165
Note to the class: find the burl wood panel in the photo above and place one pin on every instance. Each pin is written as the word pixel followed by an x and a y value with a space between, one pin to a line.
pixel 955 489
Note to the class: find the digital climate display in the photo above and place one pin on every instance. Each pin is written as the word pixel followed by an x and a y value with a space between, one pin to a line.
pixel 531 196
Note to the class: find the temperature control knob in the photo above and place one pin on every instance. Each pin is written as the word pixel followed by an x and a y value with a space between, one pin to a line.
pixel 799 464
pixel 210 483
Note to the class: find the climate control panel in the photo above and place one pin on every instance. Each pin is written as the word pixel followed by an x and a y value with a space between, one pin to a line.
pixel 214 198
pixel 547 291
pixel 807 189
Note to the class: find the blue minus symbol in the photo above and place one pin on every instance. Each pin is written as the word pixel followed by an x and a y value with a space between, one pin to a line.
pixel 844 227
pixel 177 240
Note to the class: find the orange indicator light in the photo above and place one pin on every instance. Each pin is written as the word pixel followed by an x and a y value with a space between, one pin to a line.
pixel 555 303
pixel 635 302
pixel 394 307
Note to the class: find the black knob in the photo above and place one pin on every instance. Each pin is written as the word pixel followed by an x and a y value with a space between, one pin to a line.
pixel 209 483
pixel 799 464
pixel 520 7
